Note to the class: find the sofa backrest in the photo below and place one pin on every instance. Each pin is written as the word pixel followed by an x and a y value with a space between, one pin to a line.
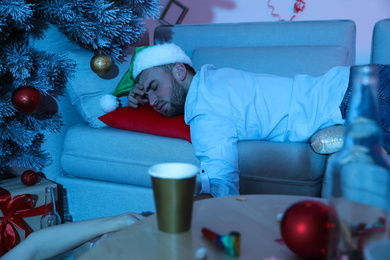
pixel 380 48
pixel 281 48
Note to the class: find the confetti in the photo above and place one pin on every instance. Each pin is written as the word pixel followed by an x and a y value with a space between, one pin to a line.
pixel 201 253
pixel 241 198
pixel 230 244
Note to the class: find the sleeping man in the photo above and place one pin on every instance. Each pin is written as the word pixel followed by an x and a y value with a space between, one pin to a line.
pixel 223 106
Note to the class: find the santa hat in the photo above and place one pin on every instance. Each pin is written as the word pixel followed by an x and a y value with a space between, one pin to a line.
pixel 145 57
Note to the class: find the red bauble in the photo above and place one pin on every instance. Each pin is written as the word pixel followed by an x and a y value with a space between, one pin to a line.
pixel 304 228
pixel 26 99
pixel 29 178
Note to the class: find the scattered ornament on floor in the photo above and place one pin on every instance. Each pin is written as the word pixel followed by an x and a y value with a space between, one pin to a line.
pixel 26 99
pixel 101 63
pixel 29 178
pixel 304 228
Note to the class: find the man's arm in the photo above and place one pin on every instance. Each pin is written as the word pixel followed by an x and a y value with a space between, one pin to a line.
pixel 215 142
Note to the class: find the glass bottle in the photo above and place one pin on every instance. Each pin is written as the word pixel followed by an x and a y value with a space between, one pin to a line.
pixel 50 217
pixel 359 202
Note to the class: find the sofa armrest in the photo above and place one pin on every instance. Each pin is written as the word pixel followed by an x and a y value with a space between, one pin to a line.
pixel 380 51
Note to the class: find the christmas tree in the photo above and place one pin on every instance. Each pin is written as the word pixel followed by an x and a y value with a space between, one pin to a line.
pixel 28 76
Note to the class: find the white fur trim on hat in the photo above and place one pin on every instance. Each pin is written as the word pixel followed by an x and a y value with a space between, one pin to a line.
pixel 159 55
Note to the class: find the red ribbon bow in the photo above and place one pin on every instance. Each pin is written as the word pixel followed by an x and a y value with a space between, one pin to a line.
pixel 14 210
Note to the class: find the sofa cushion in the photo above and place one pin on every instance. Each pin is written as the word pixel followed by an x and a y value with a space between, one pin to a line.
pixel 278 60
pixel 147 120
pixel 120 156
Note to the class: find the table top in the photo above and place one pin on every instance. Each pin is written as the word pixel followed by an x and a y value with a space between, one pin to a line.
pixel 255 218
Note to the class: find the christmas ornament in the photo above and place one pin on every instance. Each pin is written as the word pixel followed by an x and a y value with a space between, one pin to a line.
pixel 101 63
pixel 40 176
pixel 299 6
pixel 304 228
pixel 26 99
pixel 29 178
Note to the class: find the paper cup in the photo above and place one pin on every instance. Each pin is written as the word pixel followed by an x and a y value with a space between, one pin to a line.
pixel 173 188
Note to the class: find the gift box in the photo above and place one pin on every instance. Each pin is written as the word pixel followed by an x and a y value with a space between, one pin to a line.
pixel 21 209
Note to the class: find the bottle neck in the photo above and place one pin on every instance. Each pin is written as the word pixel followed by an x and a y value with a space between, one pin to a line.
pixel 363 129
pixel 49 200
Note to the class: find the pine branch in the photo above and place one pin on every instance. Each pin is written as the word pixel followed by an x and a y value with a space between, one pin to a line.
pixel 17 12
pixel 100 24
pixel 42 121
pixel 52 71
pixel 19 60
pixel 13 130
pixel 148 9
pixel 24 156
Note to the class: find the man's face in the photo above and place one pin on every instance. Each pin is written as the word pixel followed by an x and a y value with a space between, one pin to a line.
pixel 165 93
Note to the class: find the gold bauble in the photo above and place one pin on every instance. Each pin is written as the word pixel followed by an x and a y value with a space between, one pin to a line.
pixel 101 63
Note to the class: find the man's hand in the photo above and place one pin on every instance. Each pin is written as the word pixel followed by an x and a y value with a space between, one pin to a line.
pixel 137 96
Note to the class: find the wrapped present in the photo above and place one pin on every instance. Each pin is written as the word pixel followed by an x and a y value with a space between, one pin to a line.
pixel 21 209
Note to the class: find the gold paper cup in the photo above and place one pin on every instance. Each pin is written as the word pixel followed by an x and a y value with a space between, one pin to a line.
pixel 173 187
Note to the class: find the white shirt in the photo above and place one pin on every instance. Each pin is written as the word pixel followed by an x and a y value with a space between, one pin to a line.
pixel 224 106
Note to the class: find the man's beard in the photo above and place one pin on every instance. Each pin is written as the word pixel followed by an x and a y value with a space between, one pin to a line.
pixel 175 106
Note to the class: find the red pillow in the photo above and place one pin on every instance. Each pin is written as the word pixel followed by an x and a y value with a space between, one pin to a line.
pixel 147 120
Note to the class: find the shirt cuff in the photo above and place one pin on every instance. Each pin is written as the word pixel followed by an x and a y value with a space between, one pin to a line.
pixel 204 179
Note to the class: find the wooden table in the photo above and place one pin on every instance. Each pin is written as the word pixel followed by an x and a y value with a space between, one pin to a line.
pixel 255 218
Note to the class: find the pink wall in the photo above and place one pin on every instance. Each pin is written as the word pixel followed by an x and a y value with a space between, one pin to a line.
pixel 365 13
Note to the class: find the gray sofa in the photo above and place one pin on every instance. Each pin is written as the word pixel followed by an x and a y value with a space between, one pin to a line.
pixel 104 170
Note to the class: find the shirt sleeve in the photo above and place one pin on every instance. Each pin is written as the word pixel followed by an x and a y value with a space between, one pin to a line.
pixel 215 142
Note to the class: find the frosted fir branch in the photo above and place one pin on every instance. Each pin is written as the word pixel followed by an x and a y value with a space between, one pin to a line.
pixel 148 9
pixel 6 107
pixel 100 24
pixel 19 61
pixel 18 133
pixel 102 11
pixel 52 72
pixel 32 156
pixel 5 111
pixel 3 22
pixel 17 12
pixel 30 159
pixel 42 121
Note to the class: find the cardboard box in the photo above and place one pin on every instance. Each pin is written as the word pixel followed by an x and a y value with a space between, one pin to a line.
pixel 24 216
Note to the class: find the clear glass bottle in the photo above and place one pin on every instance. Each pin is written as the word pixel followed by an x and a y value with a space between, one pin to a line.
pixel 359 202
pixel 50 217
